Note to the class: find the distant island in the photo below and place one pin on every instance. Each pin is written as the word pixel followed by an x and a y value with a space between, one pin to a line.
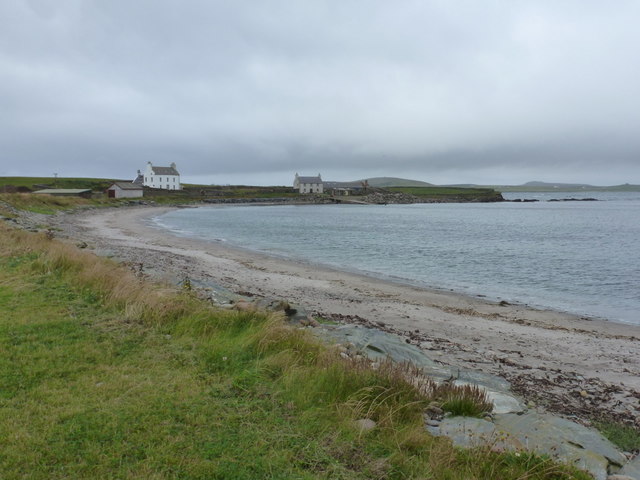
pixel 555 187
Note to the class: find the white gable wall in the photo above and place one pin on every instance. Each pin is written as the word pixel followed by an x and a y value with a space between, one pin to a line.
pixel 303 186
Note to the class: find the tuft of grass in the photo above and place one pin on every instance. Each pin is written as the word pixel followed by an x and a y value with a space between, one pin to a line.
pixel 463 400
pixel 625 437
pixel 46 204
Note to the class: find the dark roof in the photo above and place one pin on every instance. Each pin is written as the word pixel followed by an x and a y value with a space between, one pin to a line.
pixel 310 179
pixel 126 185
pixel 164 170
pixel 139 180
pixel 343 184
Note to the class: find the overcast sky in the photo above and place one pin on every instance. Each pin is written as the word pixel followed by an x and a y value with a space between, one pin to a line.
pixel 253 91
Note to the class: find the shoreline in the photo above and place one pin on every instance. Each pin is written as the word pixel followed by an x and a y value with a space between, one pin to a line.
pixel 586 368
pixel 392 279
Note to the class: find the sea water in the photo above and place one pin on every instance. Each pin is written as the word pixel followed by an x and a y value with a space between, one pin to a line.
pixel 581 257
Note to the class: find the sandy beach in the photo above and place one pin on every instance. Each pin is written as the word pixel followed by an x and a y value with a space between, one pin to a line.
pixel 582 368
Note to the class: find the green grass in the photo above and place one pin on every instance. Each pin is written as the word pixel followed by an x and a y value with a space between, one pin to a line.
pixel 623 436
pixel 85 395
pixel 49 204
pixel 444 192
pixel 105 376
pixel 98 184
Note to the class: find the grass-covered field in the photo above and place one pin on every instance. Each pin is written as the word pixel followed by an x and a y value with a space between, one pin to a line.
pixel 189 194
pixel 446 192
pixel 97 184
pixel 47 204
pixel 104 375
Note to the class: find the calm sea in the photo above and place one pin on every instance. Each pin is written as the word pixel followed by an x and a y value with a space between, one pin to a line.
pixel 578 257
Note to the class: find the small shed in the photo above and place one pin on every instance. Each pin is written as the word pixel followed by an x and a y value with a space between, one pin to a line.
pixel 124 190
pixel 66 192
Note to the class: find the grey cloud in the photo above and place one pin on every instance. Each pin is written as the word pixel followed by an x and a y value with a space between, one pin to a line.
pixel 449 90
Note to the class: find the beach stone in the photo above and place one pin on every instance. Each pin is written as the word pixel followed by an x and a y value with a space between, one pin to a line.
pixel 621 477
pixel 434 411
pixel 632 468
pixel 561 439
pixel 378 345
pixel 470 432
pixel 297 313
pixel 365 424
pixel 244 306
pixel 217 294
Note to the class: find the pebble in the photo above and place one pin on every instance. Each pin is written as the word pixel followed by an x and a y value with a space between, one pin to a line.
pixel 365 424
pixel 434 410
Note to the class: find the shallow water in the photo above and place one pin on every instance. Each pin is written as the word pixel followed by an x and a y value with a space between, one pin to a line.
pixel 578 257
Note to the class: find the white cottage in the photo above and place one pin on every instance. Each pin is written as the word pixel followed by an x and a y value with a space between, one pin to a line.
pixel 124 190
pixel 166 178
pixel 308 184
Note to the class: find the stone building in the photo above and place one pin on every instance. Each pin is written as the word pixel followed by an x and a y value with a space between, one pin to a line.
pixel 308 184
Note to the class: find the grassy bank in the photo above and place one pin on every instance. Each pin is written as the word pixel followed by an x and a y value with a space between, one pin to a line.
pixel 38 183
pixel 103 375
pixel 46 204
pixel 449 193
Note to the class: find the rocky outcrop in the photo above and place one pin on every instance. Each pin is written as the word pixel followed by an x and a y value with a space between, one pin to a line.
pixel 383 198
pixel 510 427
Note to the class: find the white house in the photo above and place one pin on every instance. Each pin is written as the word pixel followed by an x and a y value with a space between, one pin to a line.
pixel 308 184
pixel 166 178
pixel 124 190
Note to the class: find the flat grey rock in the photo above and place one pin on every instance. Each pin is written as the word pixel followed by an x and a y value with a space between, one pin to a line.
pixel 562 439
pixel 513 427
pixel 377 344
pixel 380 345
pixel 632 468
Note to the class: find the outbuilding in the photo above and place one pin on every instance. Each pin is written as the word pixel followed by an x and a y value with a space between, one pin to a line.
pixel 124 190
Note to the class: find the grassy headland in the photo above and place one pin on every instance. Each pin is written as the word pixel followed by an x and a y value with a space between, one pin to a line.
pixel 191 193
pixel 434 193
pixel 105 375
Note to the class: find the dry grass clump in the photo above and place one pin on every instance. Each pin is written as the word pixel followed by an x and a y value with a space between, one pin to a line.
pixel 116 286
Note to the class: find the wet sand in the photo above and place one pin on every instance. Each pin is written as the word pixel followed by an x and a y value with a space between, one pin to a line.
pixel 567 364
